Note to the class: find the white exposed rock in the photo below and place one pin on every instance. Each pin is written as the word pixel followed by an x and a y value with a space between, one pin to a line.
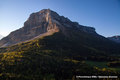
pixel 1 37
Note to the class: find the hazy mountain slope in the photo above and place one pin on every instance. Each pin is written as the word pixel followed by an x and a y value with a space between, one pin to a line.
pixel 115 38
pixel 1 36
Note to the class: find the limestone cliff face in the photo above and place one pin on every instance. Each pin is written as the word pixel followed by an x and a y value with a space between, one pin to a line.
pixel 44 22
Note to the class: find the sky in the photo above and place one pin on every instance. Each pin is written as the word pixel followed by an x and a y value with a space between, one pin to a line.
pixel 103 15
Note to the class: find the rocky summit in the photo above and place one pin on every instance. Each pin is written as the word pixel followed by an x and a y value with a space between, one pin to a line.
pixel 42 23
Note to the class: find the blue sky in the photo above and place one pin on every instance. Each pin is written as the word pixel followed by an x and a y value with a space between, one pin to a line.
pixel 104 15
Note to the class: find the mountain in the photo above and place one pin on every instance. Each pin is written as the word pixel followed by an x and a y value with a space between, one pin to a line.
pixel 52 47
pixel 47 22
pixel 115 38
pixel 1 36
pixel 42 23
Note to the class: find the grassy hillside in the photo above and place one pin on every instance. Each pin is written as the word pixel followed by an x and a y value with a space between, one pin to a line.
pixel 56 57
